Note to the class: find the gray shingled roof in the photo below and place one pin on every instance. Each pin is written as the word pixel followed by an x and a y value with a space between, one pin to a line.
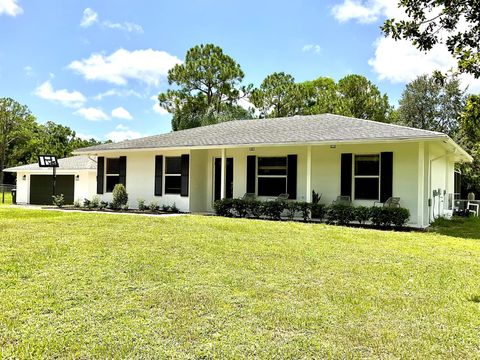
pixel 82 162
pixel 287 130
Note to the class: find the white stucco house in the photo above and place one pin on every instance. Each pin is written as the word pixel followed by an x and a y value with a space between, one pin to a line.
pixel 75 179
pixel 333 155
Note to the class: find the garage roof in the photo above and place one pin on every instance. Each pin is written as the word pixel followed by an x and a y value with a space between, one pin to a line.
pixel 82 162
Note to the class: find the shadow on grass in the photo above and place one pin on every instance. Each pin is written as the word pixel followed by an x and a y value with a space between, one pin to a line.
pixel 462 227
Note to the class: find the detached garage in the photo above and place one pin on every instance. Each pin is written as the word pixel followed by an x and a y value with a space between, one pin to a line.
pixel 75 179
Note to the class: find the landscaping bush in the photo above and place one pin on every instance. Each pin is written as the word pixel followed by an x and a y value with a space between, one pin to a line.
pixel 292 208
pixel 58 200
pixel 95 203
pixel 174 209
pixel 165 208
pixel 274 209
pixel 318 211
pixel 386 216
pixel 223 207
pixel 340 214
pixel 141 205
pixel 77 203
pixel 154 206
pixel 102 205
pixel 305 209
pixel 120 197
pixel 240 207
pixel 255 208
pixel 362 214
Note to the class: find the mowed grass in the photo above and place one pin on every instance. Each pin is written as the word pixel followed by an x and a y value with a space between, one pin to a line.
pixel 7 198
pixel 76 285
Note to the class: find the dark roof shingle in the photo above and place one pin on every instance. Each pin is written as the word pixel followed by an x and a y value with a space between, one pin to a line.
pixel 295 129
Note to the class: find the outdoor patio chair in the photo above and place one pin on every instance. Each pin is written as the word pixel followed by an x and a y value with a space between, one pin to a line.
pixel 473 208
pixel 390 202
pixel 342 200
pixel 281 197
pixel 249 196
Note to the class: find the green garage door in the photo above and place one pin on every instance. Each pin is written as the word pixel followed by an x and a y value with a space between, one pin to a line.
pixel 41 188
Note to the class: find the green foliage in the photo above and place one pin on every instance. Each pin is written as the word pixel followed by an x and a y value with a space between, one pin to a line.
pixel 165 208
pixel 321 96
pixel 77 203
pixel 207 89
pixel 387 216
pixel 453 23
pixel 273 209
pixel 277 96
pixel 59 200
pixel 94 203
pixel 305 208
pixel 255 208
pixel 363 100
pixel 362 214
pixel 316 197
pixel 120 196
pixel 142 205
pixel 318 211
pixel 174 209
pixel 292 208
pixel 223 207
pixel 240 207
pixel 340 214
pixel 153 206
pixel 431 105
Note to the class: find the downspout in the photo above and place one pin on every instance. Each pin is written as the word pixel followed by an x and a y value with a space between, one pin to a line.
pixel 430 205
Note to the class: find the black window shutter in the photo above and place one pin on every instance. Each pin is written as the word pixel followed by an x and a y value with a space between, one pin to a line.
pixel 251 173
pixel 346 175
pixel 122 170
pixel 158 175
pixel 292 176
pixel 100 174
pixel 386 176
pixel 185 170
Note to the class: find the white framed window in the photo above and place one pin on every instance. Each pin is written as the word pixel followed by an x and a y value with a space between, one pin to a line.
pixel 173 175
pixel 112 174
pixel 366 177
pixel 272 176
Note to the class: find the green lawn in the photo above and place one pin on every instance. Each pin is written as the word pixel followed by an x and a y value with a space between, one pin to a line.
pixel 7 198
pixel 76 285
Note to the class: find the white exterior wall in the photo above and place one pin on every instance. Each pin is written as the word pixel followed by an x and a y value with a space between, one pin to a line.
pixel 141 180
pixel 84 187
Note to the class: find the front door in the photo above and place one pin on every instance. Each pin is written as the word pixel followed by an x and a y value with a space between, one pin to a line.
pixel 218 178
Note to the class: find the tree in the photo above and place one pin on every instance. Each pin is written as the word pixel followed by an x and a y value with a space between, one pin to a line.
pixel 208 86
pixel 469 138
pixel 363 100
pixel 321 96
pixel 277 96
pixel 15 123
pixel 453 23
pixel 432 105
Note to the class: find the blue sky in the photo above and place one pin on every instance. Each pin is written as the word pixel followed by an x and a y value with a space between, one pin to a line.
pixel 95 65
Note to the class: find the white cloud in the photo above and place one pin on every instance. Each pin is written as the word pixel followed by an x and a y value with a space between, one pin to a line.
pixel 66 98
pixel 125 26
pixel 10 8
pixel 28 71
pixel 311 47
pixel 85 136
pixel 367 11
pixel 122 133
pixel 157 108
pixel 117 92
pixel 146 65
pixel 401 62
pixel 92 114
pixel 89 18
pixel 121 113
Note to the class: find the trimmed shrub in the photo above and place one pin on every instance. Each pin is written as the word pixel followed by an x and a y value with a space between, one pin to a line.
pixel 274 209
pixel 292 208
pixel 340 214
pixel 154 206
pixel 362 214
pixel 165 208
pixel 58 200
pixel 255 208
pixel 95 203
pixel 103 205
pixel 141 205
pixel 223 207
pixel 399 216
pixel 240 207
pixel 77 203
pixel 305 209
pixel 120 197
pixel 318 211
